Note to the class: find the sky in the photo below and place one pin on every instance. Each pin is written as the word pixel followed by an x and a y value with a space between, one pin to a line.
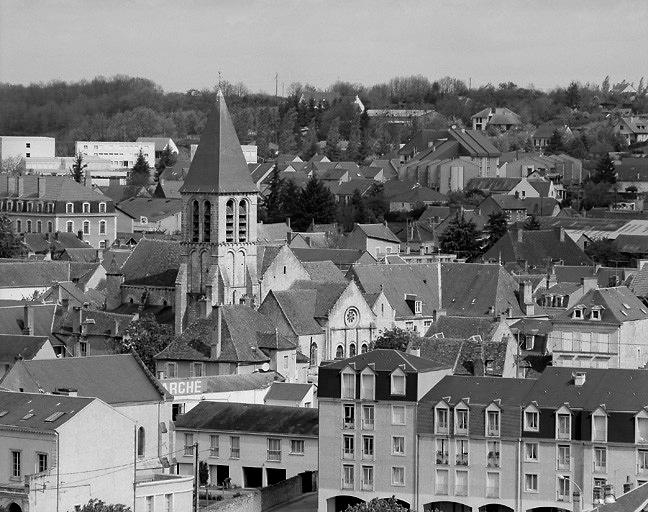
pixel 184 44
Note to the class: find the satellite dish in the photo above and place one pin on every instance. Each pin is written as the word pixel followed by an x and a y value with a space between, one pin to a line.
pixel 265 367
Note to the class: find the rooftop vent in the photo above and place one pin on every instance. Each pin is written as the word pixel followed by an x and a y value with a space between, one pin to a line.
pixel 579 378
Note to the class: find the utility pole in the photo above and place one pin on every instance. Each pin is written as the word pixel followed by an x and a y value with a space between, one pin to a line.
pixel 196 486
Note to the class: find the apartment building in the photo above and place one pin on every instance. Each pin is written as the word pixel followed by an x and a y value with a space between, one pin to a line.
pixel 554 444
pixel 26 147
pixel 367 440
pixel 47 204
pixel 251 445
pixel 119 153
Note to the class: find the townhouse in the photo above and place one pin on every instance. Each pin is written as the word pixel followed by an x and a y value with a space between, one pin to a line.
pixel 377 239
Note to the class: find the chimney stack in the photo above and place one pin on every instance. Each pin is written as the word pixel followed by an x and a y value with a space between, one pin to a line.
pixel 519 235
pixel 579 378
pixel 589 283
pixel 28 320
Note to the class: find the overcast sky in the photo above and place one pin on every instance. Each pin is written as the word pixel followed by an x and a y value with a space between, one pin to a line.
pixel 183 44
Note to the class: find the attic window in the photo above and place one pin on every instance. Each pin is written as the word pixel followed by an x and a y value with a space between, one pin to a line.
pixel 626 306
pixel 596 314
pixel 418 307
pixel 624 313
pixel 54 416
pixel 28 415
pixel 3 413
pixel 578 313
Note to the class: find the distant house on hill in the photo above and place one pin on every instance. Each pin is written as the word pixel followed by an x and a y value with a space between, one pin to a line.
pixel 496 117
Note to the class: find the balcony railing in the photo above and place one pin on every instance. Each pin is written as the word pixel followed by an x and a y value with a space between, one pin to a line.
pixel 462 459
pixel 367 486
pixel 493 460
pixel 188 450
pixel 274 455
pixel 563 464
pixel 213 452
pixel 560 496
pixel 442 458
pixel 235 453
pixel 601 468
pixel 442 429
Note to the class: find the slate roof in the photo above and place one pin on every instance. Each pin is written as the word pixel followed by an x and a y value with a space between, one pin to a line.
pixel 378 231
pixel 57 188
pixel 153 263
pixel 635 500
pixel 59 241
pixel 338 256
pixel 538 326
pixel 386 360
pixel 499 116
pixel 250 418
pixel 480 390
pixel 233 382
pixel 298 305
pixel 266 254
pixel 539 206
pixel 493 185
pixel 154 209
pixel 11 318
pixel 542 187
pixel 118 192
pixel 29 273
pixel 19 405
pixel 115 379
pixel 419 195
pixel 219 164
pixel 474 143
pixel 14 347
pixel 613 301
pixel 272 233
pixel 323 271
pixel 463 327
pixel 537 248
pixel 287 391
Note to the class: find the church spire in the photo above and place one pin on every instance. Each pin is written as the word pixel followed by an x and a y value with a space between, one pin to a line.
pixel 219 165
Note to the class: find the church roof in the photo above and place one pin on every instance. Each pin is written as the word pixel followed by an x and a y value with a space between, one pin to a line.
pixel 219 164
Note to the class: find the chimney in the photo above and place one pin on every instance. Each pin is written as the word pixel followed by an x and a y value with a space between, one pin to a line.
pixel 66 391
pixel 114 280
pixel 526 298
pixel 28 320
pixel 76 319
pixel 41 186
pixel 215 347
pixel 579 378
pixel 589 283
pixel 627 486
pixel 560 232
pixel 519 235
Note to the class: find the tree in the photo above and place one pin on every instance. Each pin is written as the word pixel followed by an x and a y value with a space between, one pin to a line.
pixel 291 201
pixel 146 337
pixel 605 171
pixel 461 238
pixel 287 142
pixel 203 472
pixel 317 204
pixel 141 172
pixel 532 224
pixel 378 505
pixel 95 505
pixel 332 150
pixel 360 213
pixel 604 251
pixel 596 194
pixel 77 168
pixel 10 245
pixel 272 201
pixel 13 165
pixel 496 227
pixel 355 137
pixel 167 159
pixel 572 95
pixel 395 338
pixel 555 144
pixel 377 203
pixel 309 142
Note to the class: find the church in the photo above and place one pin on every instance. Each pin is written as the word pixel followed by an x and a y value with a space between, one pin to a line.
pixel 219 225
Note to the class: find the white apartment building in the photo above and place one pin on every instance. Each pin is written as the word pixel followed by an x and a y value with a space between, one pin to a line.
pixel 26 147
pixel 249 152
pixel 121 154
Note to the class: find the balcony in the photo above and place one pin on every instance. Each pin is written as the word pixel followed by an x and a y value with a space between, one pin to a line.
pixel 563 464
pixel 493 432
pixel 442 458
pixel 368 424
pixel 462 459
pixel 600 468
pixel 235 453
pixel 213 452
pixel 274 455
pixel 493 460
pixel 188 450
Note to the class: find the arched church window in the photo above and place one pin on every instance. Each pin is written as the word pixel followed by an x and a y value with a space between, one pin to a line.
pixel 363 348
pixel 339 352
pixel 313 354
pixel 229 221
pixel 207 222
pixel 195 222
pixel 242 222
pixel 352 350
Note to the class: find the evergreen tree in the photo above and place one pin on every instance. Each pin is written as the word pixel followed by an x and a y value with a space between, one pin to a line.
pixel 309 142
pixel 605 170
pixel 290 201
pixel 167 159
pixel 332 150
pixel 287 141
pixel 10 246
pixel 141 172
pixel 77 168
pixel 555 143
pixel 496 227
pixel 355 137
pixel 365 147
pixel 572 95
pixel 317 204
pixel 461 238
pixel 532 224
pixel 360 213
pixel 272 201
pixel 145 336
pixel 377 203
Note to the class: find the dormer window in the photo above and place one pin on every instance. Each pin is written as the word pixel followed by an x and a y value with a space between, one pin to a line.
pixel 641 427
pixel 578 313
pixel 531 419
pixel 86 207
pixel 102 207
pixel 143 220
pixel 596 313
pixel 367 384
pixel 461 419
pixel 441 416
pixel 69 207
pixel 398 382
pixel 529 340
pixel 348 383
pixel 418 307
pixel 563 423
pixel 599 425
pixel 493 421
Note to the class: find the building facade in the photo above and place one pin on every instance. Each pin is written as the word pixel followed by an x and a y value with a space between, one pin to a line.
pixel 119 153
pixel 26 147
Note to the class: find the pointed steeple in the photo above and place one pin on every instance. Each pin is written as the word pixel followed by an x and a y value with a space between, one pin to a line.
pixel 219 164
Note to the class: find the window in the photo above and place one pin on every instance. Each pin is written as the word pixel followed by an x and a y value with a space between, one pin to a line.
pixel 197 369
pixel 493 455
pixel 442 451
pixel 206 221
pixel 274 449
pixel 313 354
pixel 102 207
pixel 441 481
pixel 16 465
pixel 339 352
pixel 367 447
pixel 367 478
pixel 102 227
pixel 50 226
pixel 172 370
pixel 41 462
pixel 352 350
pixel 441 424
pixel 492 485
pixel 70 226
pixel 364 348
pixel 563 461
pixel 195 222
pixel 69 207
pixel 418 307
pixel 86 208
pixel 213 446
pixel 168 503
pixel 398 383
pixel 188 444
pixel 531 482
pixel 398 475
pixel 563 491
pixel 398 445
pixel 29 226
pixel 242 222
pixel 349 416
pixel 398 415
pixel 143 219
pixel 348 447
pixel 563 426
pixel 368 417
pixel 462 452
pixel 599 427
pixel 348 384
pixel 39 226
pixel 642 427
pixel 461 420
pixel 642 462
pixel 28 144
pixel 297 447
pixel 149 504
pixel 348 476
pixel 493 423
pixel 367 385
pixel 600 458
pixel 596 314
pixel 461 483
pixel 141 441
pixel 86 227
pixel 531 420
pixel 235 447
pixel 19 226
pixel 531 452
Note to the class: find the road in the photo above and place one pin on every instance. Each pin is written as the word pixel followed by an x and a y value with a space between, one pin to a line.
pixel 307 503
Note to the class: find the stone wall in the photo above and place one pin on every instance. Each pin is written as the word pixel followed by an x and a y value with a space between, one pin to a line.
pixel 248 502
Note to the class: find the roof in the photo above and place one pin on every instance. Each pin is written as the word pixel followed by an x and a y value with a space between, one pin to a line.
pixel 385 360
pixel 542 187
pixel 480 390
pixel 218 164
pixel 539 205
pixel 272 233
pixel 230 382
pixel 613 302
pixel 115 379
pixel 632 244
pixel 14 347
pixel 59 241
pixel 474 143
pixel 463 327
pixel 499 116
pixel 493 185
pixel 506 202
pixel 252 418
pixel 30 274
pixel 635 500
pixel 118 192
pixel 153 209
pixel 378 231
pixel 632 169
pixel 12 317
pixel 323 271
pixel 298 306
pixel 153 263
pixel 44 409
pixel 287 391
pixel 160 142
pixel 337 256
pixel 419 195
pixel 57 188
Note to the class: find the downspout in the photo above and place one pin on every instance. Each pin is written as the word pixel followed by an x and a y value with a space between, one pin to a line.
pixel 58 467
pixel 134 466
pixel 518 472
pixel 416 472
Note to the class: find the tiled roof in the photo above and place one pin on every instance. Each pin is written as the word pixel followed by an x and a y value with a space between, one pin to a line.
pixel 219 164
pixel 45 409
pixel 419 195
pixel 323 271
pixel 613 302
pixel 153 262
pixel 253 418
pixel 298 306
pixel 115 379
pixel 28 273
pixel 57 188
pixel 474 356
pixel 327 294
pixel 337 256
pixel 538 326
pixel 272 233
pixel 386 360
pixel 480 390
pixel 59 241
pixel 474 143
pixel 11 318
pixel 378 231
pixel 153 209
pixel 463 327
pixel 288 391
pixel 14 347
